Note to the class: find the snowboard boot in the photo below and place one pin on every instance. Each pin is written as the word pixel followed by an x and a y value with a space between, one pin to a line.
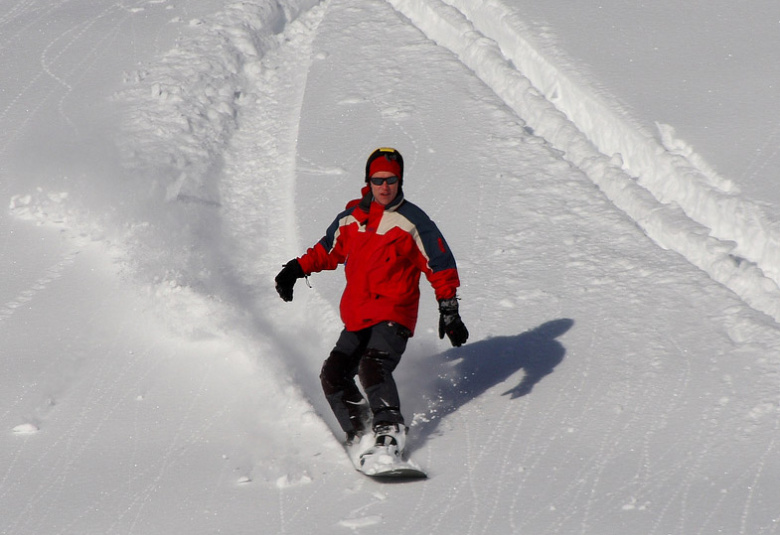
pixel 391 437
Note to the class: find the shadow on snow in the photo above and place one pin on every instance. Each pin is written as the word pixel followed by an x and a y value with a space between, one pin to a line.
pixel 471 370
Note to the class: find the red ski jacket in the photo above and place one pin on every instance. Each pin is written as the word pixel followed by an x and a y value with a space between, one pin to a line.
pixel 384 250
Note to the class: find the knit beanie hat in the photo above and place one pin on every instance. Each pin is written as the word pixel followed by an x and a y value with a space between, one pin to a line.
pixel 385 159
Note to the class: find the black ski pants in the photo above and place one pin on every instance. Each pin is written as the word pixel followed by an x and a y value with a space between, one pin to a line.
pixel 370 354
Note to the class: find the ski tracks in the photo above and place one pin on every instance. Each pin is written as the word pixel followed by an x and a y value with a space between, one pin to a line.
pixel 49 276
pixel 48 469
pixel 56 60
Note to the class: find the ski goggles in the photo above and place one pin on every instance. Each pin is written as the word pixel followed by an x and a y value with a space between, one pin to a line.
pixel 375 180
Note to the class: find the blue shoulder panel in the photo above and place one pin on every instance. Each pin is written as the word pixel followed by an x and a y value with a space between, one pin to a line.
pixel 436 249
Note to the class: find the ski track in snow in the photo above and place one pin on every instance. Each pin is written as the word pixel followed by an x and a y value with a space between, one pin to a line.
pixel 50 275
pixel 64 76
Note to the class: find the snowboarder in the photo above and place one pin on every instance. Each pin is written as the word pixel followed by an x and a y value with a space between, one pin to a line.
pixel 385 242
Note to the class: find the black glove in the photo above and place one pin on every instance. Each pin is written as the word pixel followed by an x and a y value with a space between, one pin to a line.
pixel 450 322
pixel 286 278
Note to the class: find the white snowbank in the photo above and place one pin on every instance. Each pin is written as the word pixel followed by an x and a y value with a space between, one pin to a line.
pixel 178 116
pixel 188 101
pixel 676 198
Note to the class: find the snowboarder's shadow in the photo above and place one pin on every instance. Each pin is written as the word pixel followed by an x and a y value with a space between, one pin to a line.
pixel 463 374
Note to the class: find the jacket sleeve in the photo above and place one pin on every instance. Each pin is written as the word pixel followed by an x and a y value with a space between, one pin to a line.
pixel 327 253
pixel 437 260
pixel 442 273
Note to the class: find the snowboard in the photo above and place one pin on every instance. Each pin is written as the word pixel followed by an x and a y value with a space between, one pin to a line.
pixel 381 463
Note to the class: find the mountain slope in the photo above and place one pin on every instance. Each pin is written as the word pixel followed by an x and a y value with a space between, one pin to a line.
pixel 608 387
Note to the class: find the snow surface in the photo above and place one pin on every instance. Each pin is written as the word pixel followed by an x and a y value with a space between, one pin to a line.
pixel 603 172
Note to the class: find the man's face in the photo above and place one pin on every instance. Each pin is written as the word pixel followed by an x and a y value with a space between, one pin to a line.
pixel 384 193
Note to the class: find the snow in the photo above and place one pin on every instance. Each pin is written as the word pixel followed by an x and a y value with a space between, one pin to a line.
pixel 602 171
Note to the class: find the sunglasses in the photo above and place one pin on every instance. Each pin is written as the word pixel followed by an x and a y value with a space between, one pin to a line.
pixel 375 180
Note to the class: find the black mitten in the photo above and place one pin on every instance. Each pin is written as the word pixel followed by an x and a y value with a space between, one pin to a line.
pixel 450 322
pixel 286 278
